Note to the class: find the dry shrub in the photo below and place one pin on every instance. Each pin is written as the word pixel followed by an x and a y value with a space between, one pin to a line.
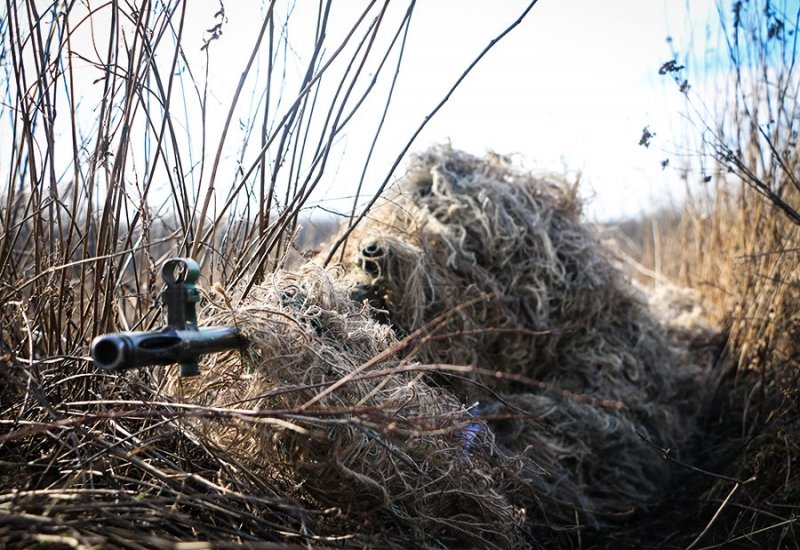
pixel 582 380
pixel 361 430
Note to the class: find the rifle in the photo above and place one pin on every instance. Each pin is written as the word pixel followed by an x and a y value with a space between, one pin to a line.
pixel 181 341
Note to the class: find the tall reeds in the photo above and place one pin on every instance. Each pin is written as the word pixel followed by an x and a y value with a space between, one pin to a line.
pixel 737 243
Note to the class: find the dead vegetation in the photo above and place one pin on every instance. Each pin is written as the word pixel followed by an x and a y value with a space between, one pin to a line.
pixel 478 371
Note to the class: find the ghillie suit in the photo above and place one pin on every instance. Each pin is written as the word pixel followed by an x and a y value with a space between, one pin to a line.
pixel 576 377
pixel 495 382
pixel 332 412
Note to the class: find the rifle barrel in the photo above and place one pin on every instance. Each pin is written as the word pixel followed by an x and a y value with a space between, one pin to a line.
pixel 126 350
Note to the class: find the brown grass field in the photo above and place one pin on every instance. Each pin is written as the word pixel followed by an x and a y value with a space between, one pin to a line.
pixel 465 363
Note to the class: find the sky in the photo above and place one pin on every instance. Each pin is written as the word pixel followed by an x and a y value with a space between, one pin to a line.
pixel 569 90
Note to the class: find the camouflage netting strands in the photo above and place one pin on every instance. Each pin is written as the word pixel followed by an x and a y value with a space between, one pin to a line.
pixel 356 428
pixel 575 375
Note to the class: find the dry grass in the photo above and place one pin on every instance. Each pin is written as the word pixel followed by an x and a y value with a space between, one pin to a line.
pixel 736 243
pixel 742 262
pixel 352 425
